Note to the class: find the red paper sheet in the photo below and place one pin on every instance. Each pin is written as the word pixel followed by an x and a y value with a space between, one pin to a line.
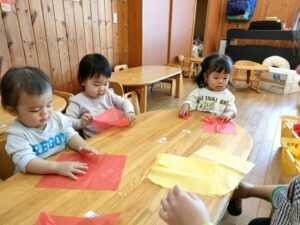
pixel 217 125
pixel 111 117
pixel 104 173
pixel 46 219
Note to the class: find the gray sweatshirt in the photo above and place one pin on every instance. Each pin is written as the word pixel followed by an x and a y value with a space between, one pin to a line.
pixel 25 143
pixel 81 104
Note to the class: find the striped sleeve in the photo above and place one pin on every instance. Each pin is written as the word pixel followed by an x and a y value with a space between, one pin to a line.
pixel 288 211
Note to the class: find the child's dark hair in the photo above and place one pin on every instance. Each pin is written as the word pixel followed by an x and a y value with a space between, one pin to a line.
pixel 93 65
pixel 213 63
pixel 31 80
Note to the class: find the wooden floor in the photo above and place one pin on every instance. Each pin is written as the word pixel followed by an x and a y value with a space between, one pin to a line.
pixel 259 114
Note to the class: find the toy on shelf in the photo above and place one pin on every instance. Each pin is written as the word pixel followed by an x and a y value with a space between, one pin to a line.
pixel 290 126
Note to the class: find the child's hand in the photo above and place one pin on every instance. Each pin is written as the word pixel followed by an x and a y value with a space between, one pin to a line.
pixel 86 119
pixel 226 116
pixel 69 169
pixel 184 109
pixel 130 116
pixel 88 149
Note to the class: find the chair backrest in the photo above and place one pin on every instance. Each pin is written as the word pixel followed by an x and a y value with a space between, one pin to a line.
pixel 132 97
pixel 180 58
pixel 185 63
pixel 7 167
pixel 120 67
pixel 117 87
pixel 65 95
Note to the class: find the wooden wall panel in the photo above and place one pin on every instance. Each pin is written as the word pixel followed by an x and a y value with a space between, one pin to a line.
pixel 86 9
pixel 62 40
pixel 71 38
pixel 79 27
pixel 109 32
pixel 103 39
pixel 26 30
pixel 55 34
pixel 37 20
pixel 114 6
pixel 156 32
pixel 123 31
pixel 14 39
pixel 212 27
pixel 134 10
pixel 52 41
pixel 5 59
pixel 95 26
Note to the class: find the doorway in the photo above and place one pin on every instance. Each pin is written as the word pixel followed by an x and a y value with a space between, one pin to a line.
pixel 199 29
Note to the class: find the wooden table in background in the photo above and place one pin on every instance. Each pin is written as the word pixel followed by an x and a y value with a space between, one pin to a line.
pixel 138 78
pixel 137 198
pixel 59 104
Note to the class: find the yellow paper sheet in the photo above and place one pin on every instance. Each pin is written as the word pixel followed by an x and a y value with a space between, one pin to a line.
pixel 208 171
pixel 223 158
pixel 188 165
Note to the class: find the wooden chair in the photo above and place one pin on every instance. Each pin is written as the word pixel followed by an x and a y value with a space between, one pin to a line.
pixel 131 96
pixel 187 66
pixel 64 95
pixel 171 81
pixel 120 67
pixel 125 67
pixel 7 167
pixel 117 87
pixel 251 77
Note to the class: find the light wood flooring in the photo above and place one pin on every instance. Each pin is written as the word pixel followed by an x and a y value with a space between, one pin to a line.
pixel 259 114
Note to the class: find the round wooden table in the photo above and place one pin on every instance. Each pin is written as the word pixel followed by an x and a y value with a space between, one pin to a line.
pixel 138 78
pixel 137 199
pixel 59 104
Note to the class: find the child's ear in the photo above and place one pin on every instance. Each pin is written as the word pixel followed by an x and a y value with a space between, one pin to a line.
pixel 11 111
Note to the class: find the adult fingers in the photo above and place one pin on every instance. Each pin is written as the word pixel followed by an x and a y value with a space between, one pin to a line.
pixel 177 190
pixel 165 204
pixel 193 196
pixel 163 214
